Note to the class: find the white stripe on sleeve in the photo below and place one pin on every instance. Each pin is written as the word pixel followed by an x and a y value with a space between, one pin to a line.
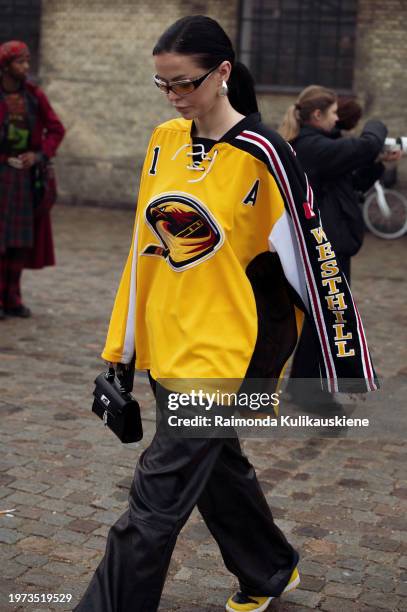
pixel 129 338
pixel 282 239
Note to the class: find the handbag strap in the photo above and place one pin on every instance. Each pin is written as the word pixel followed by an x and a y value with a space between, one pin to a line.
pixel 125 375
pixel 110 374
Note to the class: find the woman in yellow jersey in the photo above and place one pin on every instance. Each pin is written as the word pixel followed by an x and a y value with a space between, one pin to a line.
pixel 227 249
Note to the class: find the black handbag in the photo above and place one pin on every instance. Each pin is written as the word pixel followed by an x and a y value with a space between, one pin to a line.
pixel 115 404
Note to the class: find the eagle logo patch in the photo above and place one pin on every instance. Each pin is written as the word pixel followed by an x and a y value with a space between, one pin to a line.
pixel 187 231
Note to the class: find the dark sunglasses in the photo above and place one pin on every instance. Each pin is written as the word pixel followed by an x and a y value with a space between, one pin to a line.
pixel 183 87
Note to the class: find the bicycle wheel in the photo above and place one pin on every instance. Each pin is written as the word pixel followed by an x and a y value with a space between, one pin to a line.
pixel 389 227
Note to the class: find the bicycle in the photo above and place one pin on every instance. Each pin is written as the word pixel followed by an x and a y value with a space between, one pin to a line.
pixel 385 212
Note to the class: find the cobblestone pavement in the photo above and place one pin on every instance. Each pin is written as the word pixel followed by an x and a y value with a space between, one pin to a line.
pixel 342 501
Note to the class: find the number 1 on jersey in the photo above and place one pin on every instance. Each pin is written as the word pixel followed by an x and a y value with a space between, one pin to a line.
pixel 153 168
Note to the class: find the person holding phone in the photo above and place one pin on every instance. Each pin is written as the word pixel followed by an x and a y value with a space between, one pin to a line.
pixel 334 165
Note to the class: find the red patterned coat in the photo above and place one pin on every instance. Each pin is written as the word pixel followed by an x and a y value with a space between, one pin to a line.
pixel 47 133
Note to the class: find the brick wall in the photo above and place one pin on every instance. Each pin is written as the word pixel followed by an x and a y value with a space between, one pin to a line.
pixel 380 75
pixel 96 66
pixel 380 70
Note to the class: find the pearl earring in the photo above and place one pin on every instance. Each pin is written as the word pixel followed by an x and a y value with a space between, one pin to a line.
pixel 224 89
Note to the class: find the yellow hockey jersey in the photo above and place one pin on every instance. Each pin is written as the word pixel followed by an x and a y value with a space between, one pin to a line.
pixel 224 252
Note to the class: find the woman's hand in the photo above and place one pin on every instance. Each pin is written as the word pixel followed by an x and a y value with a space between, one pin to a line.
pixel 28 159
pixel 391 156
pixel 111 364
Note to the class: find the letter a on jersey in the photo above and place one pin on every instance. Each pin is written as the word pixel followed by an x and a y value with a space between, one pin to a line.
pixel 251 197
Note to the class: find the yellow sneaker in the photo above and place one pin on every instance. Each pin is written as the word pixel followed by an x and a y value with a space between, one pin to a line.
pixel 240 602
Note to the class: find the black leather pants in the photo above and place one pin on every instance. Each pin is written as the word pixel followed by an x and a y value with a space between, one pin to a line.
pixel 172 475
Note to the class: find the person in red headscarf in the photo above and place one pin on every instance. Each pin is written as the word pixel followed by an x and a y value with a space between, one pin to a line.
pixel 30 133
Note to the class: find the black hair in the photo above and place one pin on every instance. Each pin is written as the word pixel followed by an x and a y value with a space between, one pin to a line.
pixel 204 38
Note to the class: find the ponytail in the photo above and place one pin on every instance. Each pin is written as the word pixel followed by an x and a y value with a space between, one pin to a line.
pixel 290 126
pixel 310 99
pixel 242 95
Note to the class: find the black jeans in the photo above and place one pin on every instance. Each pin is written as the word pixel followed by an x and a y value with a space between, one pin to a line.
pixel 172 476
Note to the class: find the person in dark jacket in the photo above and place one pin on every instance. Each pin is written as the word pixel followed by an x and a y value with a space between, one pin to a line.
pixel 30 133
pixel 330 162
pixel 349 113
